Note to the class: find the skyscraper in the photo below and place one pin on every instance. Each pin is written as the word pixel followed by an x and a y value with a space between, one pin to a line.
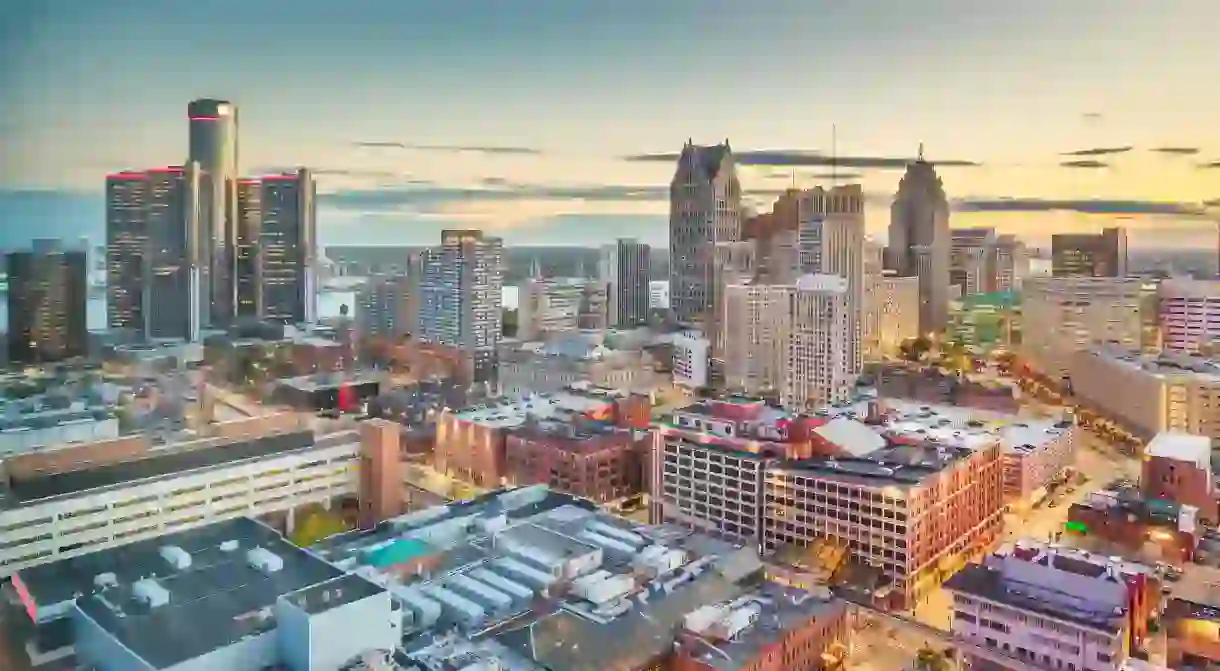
pixel 288 241
pixel 790 339
pixel 127 195
pixel 384 306
pixel 919 240
pixel 973 260
pixel 47 296
pixel 247 267
pixel 460 298
pixel 704 209
pixel 830 241
pixel 213 145
pixel 625 267
pixel 152 237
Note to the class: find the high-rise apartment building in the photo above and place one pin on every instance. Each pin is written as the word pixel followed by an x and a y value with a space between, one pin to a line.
pixel 460 304
pixel 387 306
pixel 735 263
pixel 974 260
pixel 213 145
pixel 919 241
pixel 47 297
pixel 288 240
pixel 153 259
pixel 624 267
pixel 792 340
pixel 704 209
pixel 1090 254
pixel 1065 315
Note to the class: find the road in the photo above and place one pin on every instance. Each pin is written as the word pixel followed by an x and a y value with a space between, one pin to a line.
pixel 932 637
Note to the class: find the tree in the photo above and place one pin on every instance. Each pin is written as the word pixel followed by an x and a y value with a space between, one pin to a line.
pixel 915 349
pixel 932 660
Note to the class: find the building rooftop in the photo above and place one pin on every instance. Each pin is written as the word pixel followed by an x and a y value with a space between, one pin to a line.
pixel 490 588
pixel 51 419
pixel 504 412
pixel 772 610
pixel 1165 366
pixel 323 596
pixel 1200 586
pixel 164 463
pixel 204 571
pixel 897 465
pixel 953 426
pixel 335 379
pixel 1181 446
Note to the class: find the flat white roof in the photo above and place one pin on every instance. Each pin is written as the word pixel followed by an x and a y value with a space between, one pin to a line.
pixel 506 413
pixel 1180 446
pixel 852 436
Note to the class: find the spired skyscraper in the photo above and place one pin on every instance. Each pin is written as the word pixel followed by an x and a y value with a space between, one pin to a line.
pixel 213 145
pixel 704 209
pixel 920 241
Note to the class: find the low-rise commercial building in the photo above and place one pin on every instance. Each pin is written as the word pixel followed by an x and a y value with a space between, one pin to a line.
pixel 232 595
pixel 35 431
pixel 47 517
pixel 1148 394
pixel 1177 467
pixel 1055 607
pixel 470 442
pixel 1121 516
pixel 346 392
pixel 590 459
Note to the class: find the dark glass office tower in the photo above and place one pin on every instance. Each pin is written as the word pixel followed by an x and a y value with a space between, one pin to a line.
pixel 288 242
pixel 213 145
pixel 247 269
pixel 48 291
pixel 127 196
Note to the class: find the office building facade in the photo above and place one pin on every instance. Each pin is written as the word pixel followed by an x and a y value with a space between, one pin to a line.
pixel 460 298
pixel 387 307
pixel 973 260
pixel 289 239
pixel 1085 312
pixel 830 241
pixel 704 209
pixel 47 299
pixel 624 268
pixel 1090 254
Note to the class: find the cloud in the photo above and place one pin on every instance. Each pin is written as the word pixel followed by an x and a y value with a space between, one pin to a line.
pixel 1177 151
pixel 1084 163
pixel 799 158
pixel 430 197
pixel 1210 165
pixel 451 148
pixel 1215 202
pixel 1115 207
pixel 342 172
pixel 1092 116
pixel 1098 151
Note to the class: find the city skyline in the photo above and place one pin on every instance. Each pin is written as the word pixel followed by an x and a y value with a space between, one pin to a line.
pixel 560 123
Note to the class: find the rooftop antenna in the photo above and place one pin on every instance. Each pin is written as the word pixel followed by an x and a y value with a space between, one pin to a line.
pixel 834 154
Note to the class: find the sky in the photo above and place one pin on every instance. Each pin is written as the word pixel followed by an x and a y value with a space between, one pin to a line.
pixel 548 121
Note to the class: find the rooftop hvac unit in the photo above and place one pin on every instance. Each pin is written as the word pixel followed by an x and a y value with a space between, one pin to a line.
pixel 104 580
pixel 264 560
pixel 228 546
pixel 150 592
pixel 176 556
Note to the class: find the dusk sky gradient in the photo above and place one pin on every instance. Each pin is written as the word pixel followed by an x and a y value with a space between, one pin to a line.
pixel 89 88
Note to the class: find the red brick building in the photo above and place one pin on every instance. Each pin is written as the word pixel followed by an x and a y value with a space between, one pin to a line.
pixel 604 465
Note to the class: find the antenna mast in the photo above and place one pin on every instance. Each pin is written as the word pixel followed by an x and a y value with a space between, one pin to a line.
pixel 834 154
